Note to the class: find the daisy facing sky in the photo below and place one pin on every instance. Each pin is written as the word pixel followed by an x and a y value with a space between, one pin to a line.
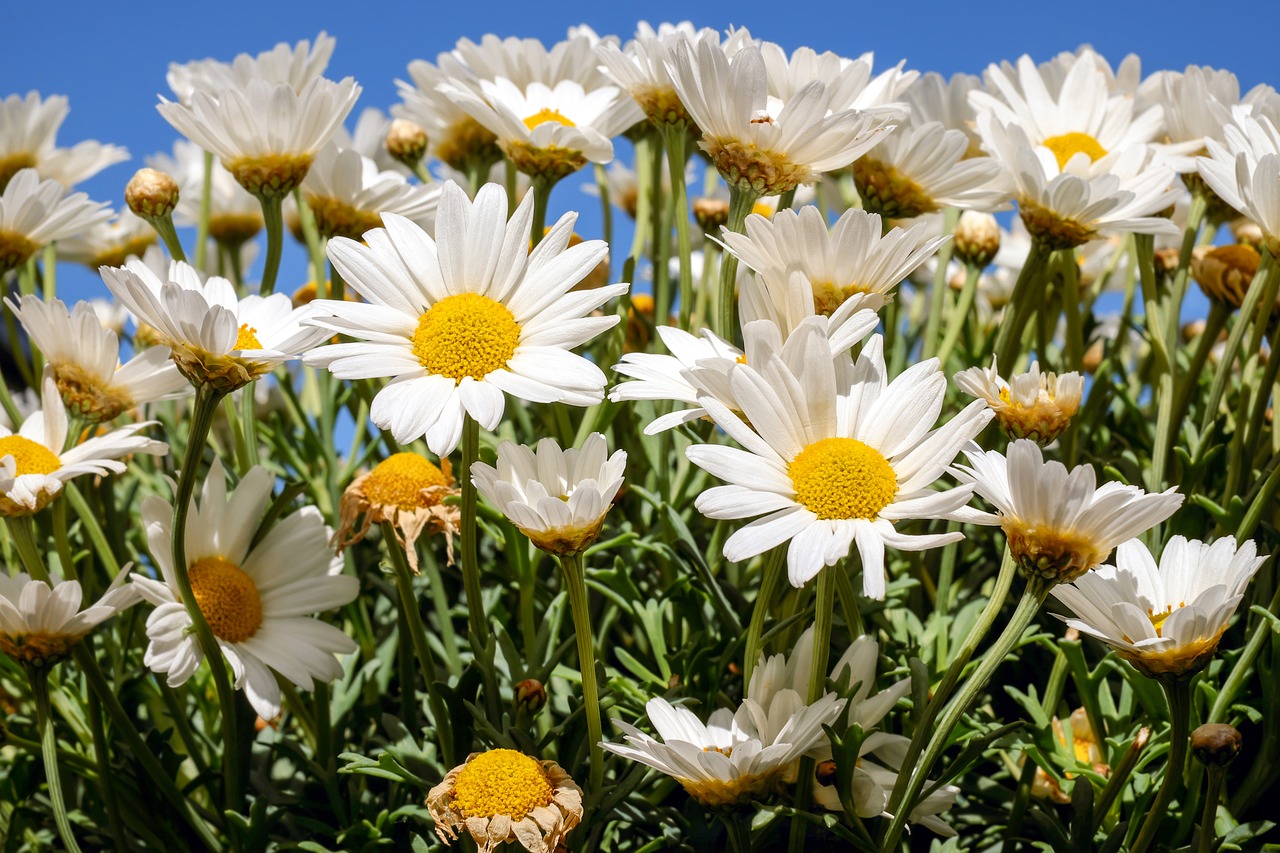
pixel 461 319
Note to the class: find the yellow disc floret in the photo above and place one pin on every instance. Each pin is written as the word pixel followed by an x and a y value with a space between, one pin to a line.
pixel 842 478
pixel 466 335
pixel 501 782
pixel 29 456
pixel 545 115
pixel 227 597
pixel 247 338
pixel 404 480
pixel 1067 145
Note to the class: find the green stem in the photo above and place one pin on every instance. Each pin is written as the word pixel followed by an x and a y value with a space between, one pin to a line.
pixel 576 584
pixel 677 140
pixel 22 529
pixel 959 319
pixel 824 615
pixel 1213 792
pixel 774 564
pixel 106 788
pixel 440 602
pixel 49 270
pixel 938 294
pixel 206 403
pixel 315 243
pixel 206 207
pixel 1029 605
pixel 1072 303
pixel 541 197
pixel 1263 286
pixel 418 638
pixel 1022 305
pixel 741 200
pixel 163 226
pixel 1179 695
pixel 273 219
pixel 49 749
pixel 470 531
pixel 1235 680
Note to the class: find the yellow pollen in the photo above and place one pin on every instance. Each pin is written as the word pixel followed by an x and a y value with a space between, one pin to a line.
pixel 723 750
pixel 763 209
pixel 29 456
pixel 742 359
pixel 545 115
pixel 1158 619
pixel 1067 145
pixel 248 338
pixel 501 782
pixel 842 478
pixel 227 597
pixel 466 335
pixel 399 480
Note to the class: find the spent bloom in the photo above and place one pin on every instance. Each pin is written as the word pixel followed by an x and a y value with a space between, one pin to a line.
pixel 406 489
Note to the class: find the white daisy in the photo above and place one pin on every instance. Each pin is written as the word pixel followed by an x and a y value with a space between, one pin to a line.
pixel 460 319
pixel 267 134
pixel 296 66
pixel 110 243
pixel 35 212
pixel 1059 523
pixel 641 68
pixel 1031 405
pixel 348 194
pixel 235 216
pixel 734 756
pixel 756 139
pixel 1196 102
pixel 934 98
pixel 834 455
pixel 558 498
pixel 28 133
pixel 1166 620
pixel 849 82
pixel 85 359
pixel 34 466
pixel 1244 170
pixel 40 623
pixel 257 598
pixel 214 336
pixel 455 138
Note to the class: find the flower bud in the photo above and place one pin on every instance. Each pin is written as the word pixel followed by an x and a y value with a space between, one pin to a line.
pixel 151 194
pixel 1224 273
pixel 407 142
pixel 977 238
pixel 531 695
pixel 1215 744
pixel 710 214
pixel 826 773
pixel 1246 231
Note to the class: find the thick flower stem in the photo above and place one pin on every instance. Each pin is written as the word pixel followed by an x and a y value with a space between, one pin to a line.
pixel 49 749
pixel 824 615
pixel 541 190
pixel 903 800
pixel 418 637
pixel 22 529
pixel 206 206
pixel 1213 792
pixel 937 295
pixel 677 141
pixel 774 563
pixel 273 218
pixel 163 226
pixel 206 403
pixel 1022 305
pixel 741 201
pixel 1179 695
pixel 576 584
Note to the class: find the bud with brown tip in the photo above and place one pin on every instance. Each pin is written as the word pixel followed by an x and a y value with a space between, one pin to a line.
pixel 407 142
pixel 1224 273
pixel 825 773
pixel 710 214
pixel 531 695
pixel 977 238
pixel 151 193
pixel 1215 744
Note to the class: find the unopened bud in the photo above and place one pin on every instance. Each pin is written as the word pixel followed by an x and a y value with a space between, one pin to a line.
pixel 826 773
pixel 1224 273
pixel 1215 744
pixel 1093 357
pixel 1245 230
pixel 1167 260
pixel 977 238
pixel 407 142
pixel 531 695
pixel 710 214
pixel 151 194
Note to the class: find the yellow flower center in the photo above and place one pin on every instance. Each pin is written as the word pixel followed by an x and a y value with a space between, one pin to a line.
pixel 1158 619
pixel 829 296
pixel 501 782
pixel 248 338
pixel 29 456
pixel 1067 145
pixel 842 478
pixel 545 115
pixel 227 597
pixel 765 210
pixel 399 480
pixel 466 335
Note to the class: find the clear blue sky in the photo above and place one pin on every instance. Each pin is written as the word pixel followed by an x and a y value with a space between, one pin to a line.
pixel 110 60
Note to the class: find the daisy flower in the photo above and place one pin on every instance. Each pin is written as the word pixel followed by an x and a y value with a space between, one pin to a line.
pixel 35 212
pixel 454 137
pixel 110 243
pixel 558 498
pixel 28 134
pixel 641 68
pixel 833 456
pixel 406 489
pixel 1164 619
pixel 1059 523
pixel 1033 405
pixel 85 359
pixel 267 134
pixel 34 466
pixel 1244 170
pixel 297 66
pixel 934 98
pixel 460 319
pixel 256 598
pixel 849 82
pixel 735 756
pixel 39 623
pixel 214 337
pixel 756 139
pixel 502 796
pixel 348 194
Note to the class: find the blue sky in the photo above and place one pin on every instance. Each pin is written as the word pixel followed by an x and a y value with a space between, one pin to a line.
pixel 111 61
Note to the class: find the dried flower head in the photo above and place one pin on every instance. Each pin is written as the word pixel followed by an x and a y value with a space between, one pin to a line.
pixel 407 490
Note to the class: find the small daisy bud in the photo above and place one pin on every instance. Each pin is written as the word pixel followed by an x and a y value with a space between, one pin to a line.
pixel 977 238
pixel 1215 744
pixel 1093 358
pixel 1246 231
pixel 826 773
pixel 710 214
pixel 1225 272
pixel 1166 260
pixel 151 194
pixel 407 142
pixel 531 695
pixel 1193 330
